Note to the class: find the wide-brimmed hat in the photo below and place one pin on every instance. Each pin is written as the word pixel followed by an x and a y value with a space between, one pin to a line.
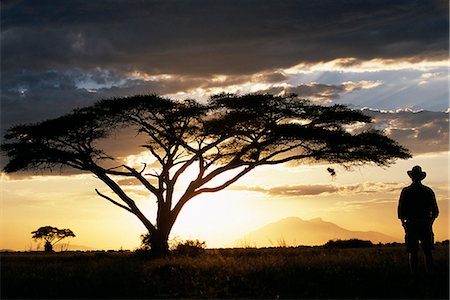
pixel 417 173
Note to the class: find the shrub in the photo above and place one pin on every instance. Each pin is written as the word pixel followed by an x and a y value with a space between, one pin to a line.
pixel 190 247
pixel 344 244
pixel 145 242
pixel 177 245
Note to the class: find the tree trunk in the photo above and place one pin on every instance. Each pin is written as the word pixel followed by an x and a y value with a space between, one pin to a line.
pixel 159 245
pixel 48 247
pixel 159 236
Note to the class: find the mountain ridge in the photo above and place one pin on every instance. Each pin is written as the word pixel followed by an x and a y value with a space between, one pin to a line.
pixel 294 231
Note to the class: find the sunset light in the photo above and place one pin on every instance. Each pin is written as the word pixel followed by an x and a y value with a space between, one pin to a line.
pixel 143 126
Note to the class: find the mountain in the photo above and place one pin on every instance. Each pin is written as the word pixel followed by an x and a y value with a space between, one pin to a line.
pixel 294 231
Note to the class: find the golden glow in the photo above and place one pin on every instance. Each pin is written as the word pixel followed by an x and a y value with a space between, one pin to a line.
pixel 374 65
pixel 147 77
pixel 366 199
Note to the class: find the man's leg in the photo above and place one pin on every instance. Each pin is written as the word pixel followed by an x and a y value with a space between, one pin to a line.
pixel 413 261
pixel 412 246
pixel 428 246
pixel 428 260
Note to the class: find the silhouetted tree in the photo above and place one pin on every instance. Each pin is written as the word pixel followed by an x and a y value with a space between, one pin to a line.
pixel 51 236
pixel 230 135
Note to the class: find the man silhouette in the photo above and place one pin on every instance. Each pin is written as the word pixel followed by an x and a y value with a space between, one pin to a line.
pixel 417 210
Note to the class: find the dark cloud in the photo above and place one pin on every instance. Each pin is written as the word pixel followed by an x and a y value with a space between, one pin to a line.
pixel 49 49
pixel 59 56
pixel 210 37
pixel 32 96
pixel 54 54
pixel 420 132
pixel 28 97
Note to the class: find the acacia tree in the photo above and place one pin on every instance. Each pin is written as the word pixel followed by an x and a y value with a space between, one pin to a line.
pixel 223 139
pixel 51 236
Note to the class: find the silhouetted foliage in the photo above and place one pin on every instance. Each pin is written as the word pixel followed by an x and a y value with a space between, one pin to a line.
pixel 230 135
pixel 51 236
pixel 190 247
pixel 331 171
pixel 345 244
pixel 182 247
pixel 145 242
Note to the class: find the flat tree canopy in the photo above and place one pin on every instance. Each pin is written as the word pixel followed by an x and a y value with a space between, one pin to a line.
pixel 51 235
pixel 228 135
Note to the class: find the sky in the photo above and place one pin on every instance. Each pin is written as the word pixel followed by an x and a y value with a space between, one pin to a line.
pixel 389 59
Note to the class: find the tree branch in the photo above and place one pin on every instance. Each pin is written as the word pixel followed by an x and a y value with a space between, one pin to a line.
pixel 146 127
pixel 227 183
pixel 142 179
pixel 119 173
pixel 183 168
pixel 191 193
pixel 123 196
pixel 114 202
pixel 284 160
pixel 156 155
pixel 230 166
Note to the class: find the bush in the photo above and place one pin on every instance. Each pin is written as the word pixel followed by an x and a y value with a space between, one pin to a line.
pixel 190 247
pixel 176 245
pixel 345 244
pixel 145 242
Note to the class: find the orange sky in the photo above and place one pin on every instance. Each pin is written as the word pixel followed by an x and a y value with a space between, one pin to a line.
pixel 389 59
pixel 362 199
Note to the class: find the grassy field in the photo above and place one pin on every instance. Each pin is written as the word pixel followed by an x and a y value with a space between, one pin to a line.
pixel 379 272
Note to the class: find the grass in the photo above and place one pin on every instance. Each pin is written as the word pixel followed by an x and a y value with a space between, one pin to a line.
pixel 368 273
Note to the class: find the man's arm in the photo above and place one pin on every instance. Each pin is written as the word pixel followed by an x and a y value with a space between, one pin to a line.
pixel 400 208
pixel 434 207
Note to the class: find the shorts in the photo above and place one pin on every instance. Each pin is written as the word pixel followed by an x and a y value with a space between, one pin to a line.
pixel 419 230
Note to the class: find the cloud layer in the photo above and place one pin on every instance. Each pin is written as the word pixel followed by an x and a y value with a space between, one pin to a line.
pixel 56 57
pixel 421 132
pixel 58 54
pixel 217 37
pixel 318 189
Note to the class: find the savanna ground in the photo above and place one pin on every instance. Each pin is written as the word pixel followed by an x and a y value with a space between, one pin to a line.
pixel 377 272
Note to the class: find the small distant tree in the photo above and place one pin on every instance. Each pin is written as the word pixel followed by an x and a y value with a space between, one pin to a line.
pixel 51 236
pixel 222 141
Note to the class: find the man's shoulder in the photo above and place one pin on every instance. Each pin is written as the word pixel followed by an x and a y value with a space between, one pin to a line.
pixel 430 190
pixel 423 187
pixel 407 188
pixel 420 187
pixel 415 187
